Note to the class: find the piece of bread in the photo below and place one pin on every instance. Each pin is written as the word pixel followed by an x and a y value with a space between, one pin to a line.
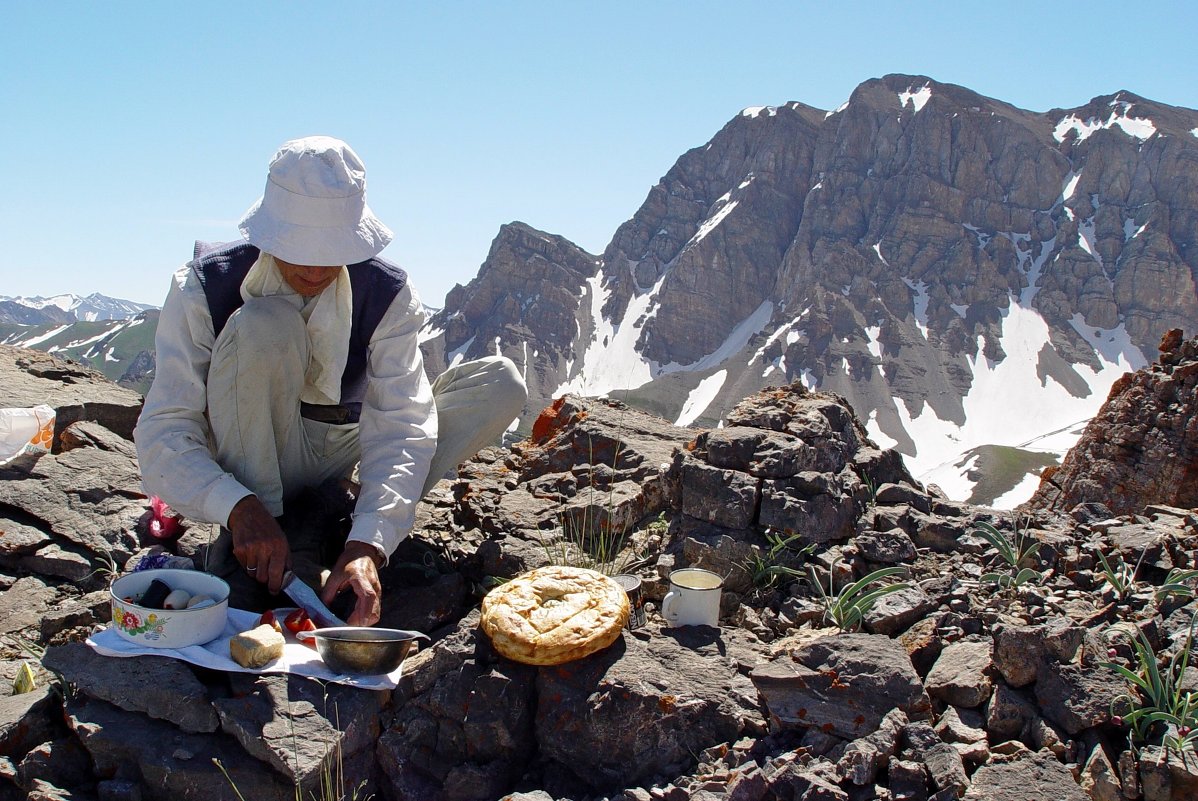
pixel 554 614
pixel 256 647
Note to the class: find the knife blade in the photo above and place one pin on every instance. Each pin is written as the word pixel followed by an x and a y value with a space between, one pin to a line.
pixel 305 597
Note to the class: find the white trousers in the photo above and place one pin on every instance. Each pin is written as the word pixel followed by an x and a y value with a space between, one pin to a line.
pixel 254 384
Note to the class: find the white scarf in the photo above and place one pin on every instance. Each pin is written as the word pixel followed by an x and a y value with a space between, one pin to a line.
pixel 328 317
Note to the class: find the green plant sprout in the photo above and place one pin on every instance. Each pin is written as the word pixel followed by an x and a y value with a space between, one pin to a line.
pixel 766 569
pixel 1120 576
pixel 871 492
pixel 106 567
pixel 1157 699
pixel 1024 549
pixel 1177 583
pixel 848 607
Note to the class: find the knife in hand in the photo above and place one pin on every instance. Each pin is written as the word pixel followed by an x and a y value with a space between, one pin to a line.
pixel 307 599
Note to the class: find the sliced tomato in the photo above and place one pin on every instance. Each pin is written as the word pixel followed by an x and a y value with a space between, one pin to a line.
pixel 295 621
pixel 268 619
pixel 308 625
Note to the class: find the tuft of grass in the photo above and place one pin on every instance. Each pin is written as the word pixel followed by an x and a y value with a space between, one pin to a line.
pixel 1014 556
pixel 589 537
pixel 847 608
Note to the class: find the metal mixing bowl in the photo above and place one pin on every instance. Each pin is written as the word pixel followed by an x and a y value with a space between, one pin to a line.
pixel 361 650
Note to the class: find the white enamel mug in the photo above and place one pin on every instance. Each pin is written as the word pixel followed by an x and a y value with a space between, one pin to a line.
pixel 693 599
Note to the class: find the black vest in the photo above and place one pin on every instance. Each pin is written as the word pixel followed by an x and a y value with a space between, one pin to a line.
pixel 375 283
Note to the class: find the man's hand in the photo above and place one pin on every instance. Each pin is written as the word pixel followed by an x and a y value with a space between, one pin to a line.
pixel 358 569
pixel 259 543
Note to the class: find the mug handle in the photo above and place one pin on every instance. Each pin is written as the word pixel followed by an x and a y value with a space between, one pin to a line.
pixel 667 607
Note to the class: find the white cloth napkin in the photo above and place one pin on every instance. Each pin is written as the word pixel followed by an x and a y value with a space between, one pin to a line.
pixel 296 658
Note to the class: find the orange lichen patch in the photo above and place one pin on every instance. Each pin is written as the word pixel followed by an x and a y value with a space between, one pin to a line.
pixel 667 703
pixel 547 422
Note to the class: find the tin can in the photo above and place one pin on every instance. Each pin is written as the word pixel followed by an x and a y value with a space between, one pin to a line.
pixel 636 599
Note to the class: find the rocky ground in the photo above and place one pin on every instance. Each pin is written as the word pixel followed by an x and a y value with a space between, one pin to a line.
pixel 981 678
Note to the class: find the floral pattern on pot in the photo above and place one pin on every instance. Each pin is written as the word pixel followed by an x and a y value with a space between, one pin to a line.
pixel 132 624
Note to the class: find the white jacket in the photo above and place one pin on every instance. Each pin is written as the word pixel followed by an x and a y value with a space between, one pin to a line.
pixel 397 429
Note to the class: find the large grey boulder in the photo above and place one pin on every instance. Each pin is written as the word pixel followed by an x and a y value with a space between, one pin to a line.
pixel 74 508
pixel 1039 775
pixel 167 762
pixel 300 727
pixel 1020 650
pixel 26 720
pixel 961 674
pixel 159 686
pixel 1077 696
pixel 468 735
pixel 645 706
pixel 1167 775
pixel 842 684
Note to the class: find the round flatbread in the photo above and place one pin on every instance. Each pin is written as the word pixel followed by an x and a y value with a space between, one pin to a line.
pixel 554 615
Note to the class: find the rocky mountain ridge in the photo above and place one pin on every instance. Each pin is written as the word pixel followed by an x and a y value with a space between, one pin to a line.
pixel 122 348
pixel 68 308
pixel 953 688
pixel 966 273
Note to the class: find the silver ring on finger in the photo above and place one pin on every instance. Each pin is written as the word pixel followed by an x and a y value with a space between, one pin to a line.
pixel 251 570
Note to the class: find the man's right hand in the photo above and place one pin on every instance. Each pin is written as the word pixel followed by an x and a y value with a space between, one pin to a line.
pixel 259 542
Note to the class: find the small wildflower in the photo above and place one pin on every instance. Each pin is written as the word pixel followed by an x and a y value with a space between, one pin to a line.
pixel 1117 720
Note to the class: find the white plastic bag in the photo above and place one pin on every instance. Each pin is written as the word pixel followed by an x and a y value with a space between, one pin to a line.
pixel 25 431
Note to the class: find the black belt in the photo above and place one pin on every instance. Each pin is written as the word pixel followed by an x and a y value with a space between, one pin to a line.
pixel 337 415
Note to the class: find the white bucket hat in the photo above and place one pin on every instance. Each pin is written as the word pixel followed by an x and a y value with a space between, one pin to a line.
pixel 314 212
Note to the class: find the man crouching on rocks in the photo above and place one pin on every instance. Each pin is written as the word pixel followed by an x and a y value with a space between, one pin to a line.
pixel 287 359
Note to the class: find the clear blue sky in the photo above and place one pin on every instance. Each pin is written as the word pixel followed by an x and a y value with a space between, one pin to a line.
pixel 133 129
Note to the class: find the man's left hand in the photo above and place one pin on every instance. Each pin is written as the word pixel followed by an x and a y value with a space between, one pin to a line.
pixel 357 569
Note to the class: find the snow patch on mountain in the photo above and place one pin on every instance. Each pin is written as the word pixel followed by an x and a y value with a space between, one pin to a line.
pixel 1140 128
pixel 610 361
pixel 1130 231
pixel 1013 383
pixel 916 98
pixel 37 340
pixel 1070 186
pixel 735 342
pixel 920 304
pixel 845 105
pixel 755 111
pixel 711 222
pixel 456 355
pixel 701 397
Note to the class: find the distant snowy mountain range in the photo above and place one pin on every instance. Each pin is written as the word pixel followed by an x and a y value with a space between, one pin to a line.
pixel 113 336
pixel 61 307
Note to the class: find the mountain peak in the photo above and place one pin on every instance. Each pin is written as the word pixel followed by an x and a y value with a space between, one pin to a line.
pixel 37 310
